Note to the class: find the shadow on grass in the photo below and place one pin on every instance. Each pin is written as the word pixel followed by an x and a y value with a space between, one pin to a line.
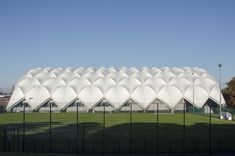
pixel 118 138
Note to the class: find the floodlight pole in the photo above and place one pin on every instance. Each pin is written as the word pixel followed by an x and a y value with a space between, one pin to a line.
pixel 104 103
pixel 220 66
pixel 23 143
pixel 130 146
pixel 50 122
pixel 76 102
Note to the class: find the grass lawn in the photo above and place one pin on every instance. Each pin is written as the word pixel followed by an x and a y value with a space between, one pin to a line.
pixel 117 130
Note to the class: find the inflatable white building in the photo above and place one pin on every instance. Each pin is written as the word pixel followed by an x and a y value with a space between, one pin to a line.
pixel 92 89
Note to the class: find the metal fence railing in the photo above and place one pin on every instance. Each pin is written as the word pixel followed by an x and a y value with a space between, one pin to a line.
pixel 20 137
pixel 121 146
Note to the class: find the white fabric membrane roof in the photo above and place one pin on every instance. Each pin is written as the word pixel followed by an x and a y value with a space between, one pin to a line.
pixel 91 85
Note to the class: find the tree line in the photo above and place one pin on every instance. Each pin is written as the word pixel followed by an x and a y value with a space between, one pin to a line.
pixel 229 93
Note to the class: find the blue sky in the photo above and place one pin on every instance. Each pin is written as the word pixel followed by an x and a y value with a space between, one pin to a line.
pixel 74 33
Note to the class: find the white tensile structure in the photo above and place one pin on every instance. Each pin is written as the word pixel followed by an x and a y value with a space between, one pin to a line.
pixel 90 88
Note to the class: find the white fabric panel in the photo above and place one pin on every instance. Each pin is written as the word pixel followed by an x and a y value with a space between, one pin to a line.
pixel 90 69
pixel 143 76
pixel 156 84
pixel 130 83
pixel 43 76
pixel 117 95
pixel 167 76
pixel 200 95
pixel 133 69
pixel 215 95
pixel 36 96
pixel 53 83
pixel 104 84
pixel 118 76
pixel 66 76
pixel 48 69
pixel 63 96
pixel 15 97
pixel 144 69
pixel 144 95
pixel 170 95
pixel 123 74
pixel 90 76
pixel 35 71
pixel 75 75
pixel 80 71
pixel 155 70
pixel 78 84
pixel 57 71
pixel 207 83
pixel 124 69
pixel 27 75
pixel 112 69
pixel 90 96
pixel 28 83
pixel 68 69
pixel 181 83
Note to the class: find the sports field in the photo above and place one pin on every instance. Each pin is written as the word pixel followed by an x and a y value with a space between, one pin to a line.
pixel 117 130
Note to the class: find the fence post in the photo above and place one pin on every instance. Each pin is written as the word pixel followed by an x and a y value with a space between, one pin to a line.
pixel 210 132
pixel 170 150
pixel 83 137
pixel 50 124
pixel 157 129
pixel 9 145
pixel 14 141
pixel 34 146
pixel 5 140
pixel 130 139
pixel 77 128
pixel 119 146
pixel 18 140
pixel 104 103
pixel 144 146
pixel 93 144
pixel 23 143
pixel 219 145
pixel 184 128
pixel 68 146
pixel 43 146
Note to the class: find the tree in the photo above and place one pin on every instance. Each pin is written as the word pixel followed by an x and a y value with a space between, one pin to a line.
pixel 12 89
pixel 229 93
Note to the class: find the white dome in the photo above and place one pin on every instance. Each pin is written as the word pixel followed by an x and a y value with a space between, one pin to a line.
pixel 117 86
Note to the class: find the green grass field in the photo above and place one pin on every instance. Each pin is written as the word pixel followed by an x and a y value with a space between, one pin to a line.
pixel 117 128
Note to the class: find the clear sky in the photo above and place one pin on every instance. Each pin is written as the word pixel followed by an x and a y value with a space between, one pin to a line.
pixel 74 33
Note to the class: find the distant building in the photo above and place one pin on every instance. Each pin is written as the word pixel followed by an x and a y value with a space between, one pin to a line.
pixel 4 99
